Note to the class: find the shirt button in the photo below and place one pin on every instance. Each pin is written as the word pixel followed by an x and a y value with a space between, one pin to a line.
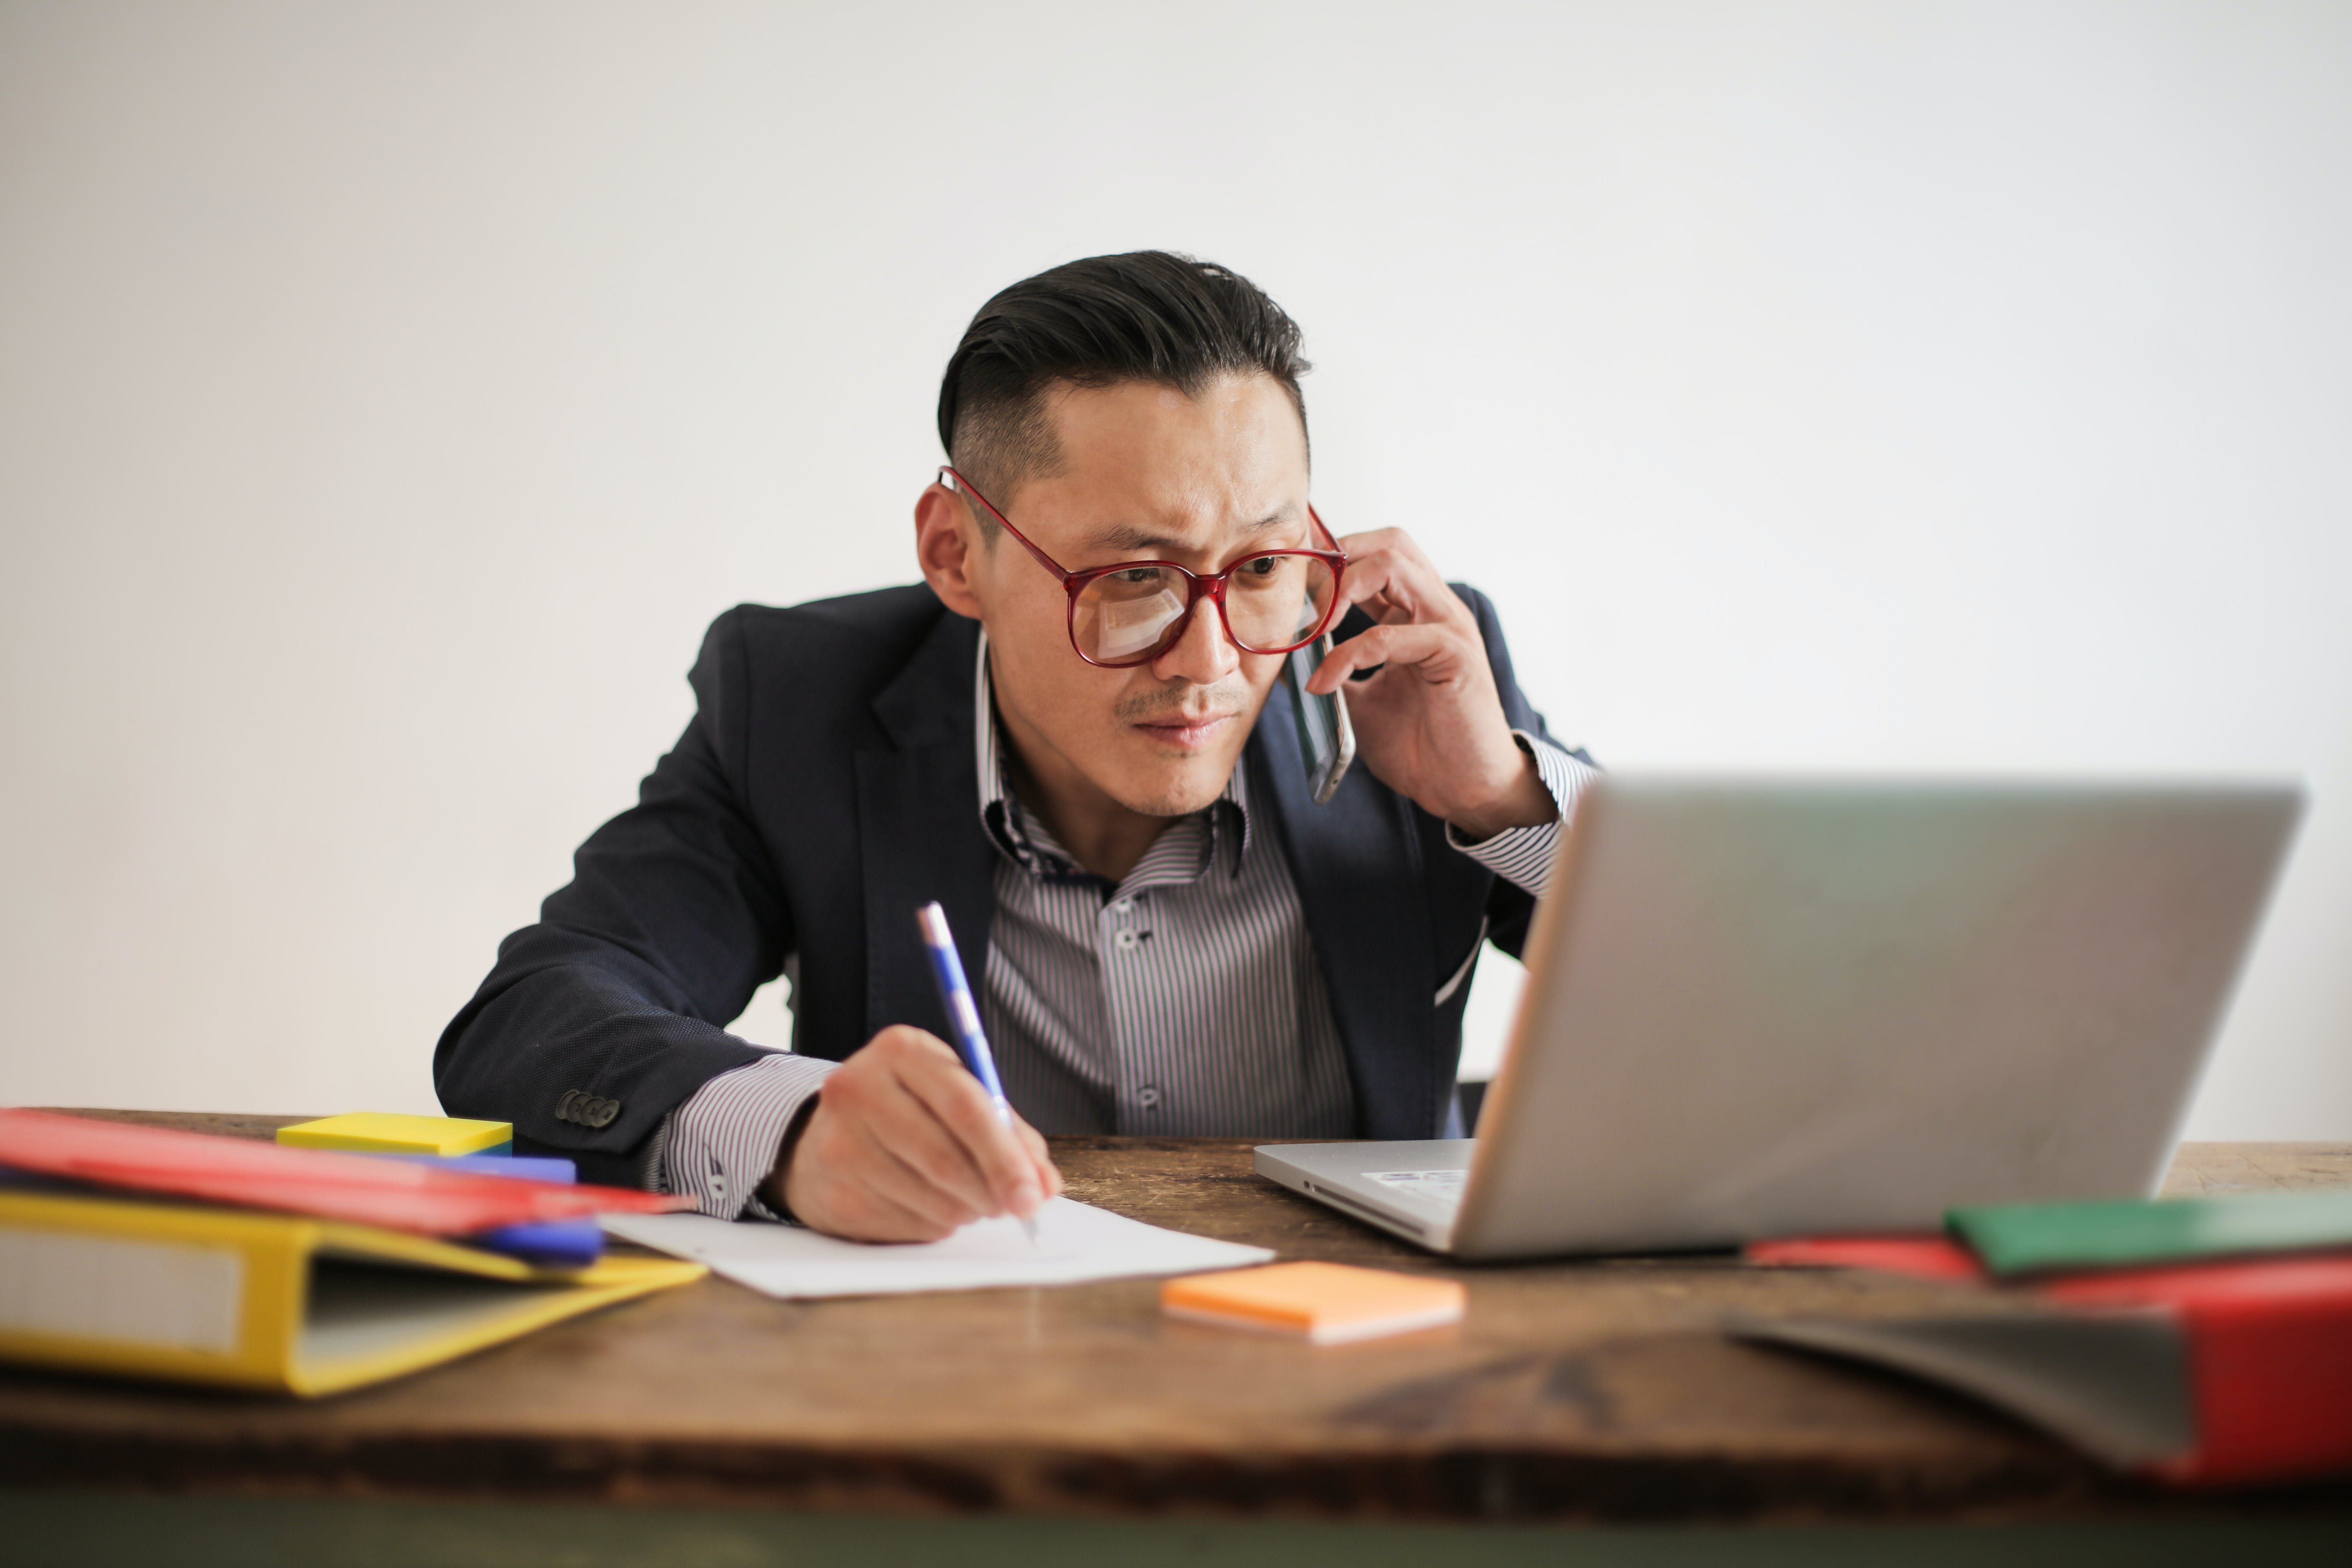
pixel 1147 1095
pixel 1126 939
pixel 1121 906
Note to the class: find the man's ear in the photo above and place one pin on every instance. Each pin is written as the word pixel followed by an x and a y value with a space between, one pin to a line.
pixel 947 546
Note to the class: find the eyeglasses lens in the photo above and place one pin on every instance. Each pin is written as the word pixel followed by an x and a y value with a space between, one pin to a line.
pixel 1272 603
pixel 1129 615
pixel 1276 601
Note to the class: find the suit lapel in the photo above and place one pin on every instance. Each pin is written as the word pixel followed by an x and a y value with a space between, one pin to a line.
pixel 1357 866
pixel 919 829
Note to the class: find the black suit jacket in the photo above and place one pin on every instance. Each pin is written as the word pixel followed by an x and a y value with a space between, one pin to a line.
pixel 826 789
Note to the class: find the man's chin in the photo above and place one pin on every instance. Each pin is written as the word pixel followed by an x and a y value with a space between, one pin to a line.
pixel 1178 791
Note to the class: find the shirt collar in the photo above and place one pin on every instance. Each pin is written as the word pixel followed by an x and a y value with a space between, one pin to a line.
pixel 1016 832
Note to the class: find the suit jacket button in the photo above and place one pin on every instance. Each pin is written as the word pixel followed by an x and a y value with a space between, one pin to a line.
pixel 601 1112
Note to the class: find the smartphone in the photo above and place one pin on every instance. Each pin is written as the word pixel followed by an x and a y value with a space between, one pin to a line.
pixel 1325 739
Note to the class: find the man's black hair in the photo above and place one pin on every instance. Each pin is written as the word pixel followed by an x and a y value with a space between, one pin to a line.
pixel 1149 315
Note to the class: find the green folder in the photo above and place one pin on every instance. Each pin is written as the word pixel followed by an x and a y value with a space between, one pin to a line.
pixel 2036 1238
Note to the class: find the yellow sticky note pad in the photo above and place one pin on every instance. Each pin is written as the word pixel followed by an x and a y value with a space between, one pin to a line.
pixel 1328 1303
pixel 388 1133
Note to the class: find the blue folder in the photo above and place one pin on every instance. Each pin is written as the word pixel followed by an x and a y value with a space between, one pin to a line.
pixel 550 1243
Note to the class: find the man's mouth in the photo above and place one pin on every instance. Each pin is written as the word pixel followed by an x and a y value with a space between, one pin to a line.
pixel 1188 733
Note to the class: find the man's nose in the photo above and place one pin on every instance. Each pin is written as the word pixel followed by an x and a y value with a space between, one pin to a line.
pixel 1203 654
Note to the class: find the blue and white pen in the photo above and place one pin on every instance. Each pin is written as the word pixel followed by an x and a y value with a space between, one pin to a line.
pixel 963 1018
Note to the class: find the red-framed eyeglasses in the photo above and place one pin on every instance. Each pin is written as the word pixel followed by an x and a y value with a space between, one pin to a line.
pixel 1131 612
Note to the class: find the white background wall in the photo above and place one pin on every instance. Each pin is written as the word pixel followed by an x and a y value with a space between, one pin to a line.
pixel 390 394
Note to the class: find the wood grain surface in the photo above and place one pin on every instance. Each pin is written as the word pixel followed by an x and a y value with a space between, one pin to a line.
pixel 1581 1390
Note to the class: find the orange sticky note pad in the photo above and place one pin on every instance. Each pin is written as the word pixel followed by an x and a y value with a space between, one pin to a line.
pixel 1329 1303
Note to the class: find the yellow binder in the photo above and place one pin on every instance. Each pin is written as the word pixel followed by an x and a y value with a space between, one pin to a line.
pixel 269 1301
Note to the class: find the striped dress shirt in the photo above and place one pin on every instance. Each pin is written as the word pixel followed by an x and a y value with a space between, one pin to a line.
pixel 1183 1000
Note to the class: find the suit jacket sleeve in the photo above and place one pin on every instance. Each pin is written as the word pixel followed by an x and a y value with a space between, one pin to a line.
pixel 674 917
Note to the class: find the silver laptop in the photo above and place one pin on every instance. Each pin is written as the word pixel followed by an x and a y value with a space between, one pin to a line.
pixel 1781 1008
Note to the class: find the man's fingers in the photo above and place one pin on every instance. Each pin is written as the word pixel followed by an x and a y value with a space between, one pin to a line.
pixel 886 1167
pixel 876 1097
pixel 935 1150
pixel 905 1145
pixel 844 1180
pixel 1041 1159
pixel 860 1210
pixel 1389 576
pixel 964 1111
pixel 1437 650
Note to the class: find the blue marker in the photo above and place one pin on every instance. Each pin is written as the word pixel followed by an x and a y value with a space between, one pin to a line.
pixel 963 1018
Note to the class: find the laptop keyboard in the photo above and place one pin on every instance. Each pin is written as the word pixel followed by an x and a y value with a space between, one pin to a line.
pixel 1443 1188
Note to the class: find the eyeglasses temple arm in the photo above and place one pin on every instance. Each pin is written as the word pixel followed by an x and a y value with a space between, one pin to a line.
pixel 1047 561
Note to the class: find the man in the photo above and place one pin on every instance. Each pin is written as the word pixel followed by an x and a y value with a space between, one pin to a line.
pixel 1057 735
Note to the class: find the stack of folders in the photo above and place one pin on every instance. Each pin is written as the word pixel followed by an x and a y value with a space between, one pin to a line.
pixel 147 1252
pixel 480 1148
pixel 2203 1342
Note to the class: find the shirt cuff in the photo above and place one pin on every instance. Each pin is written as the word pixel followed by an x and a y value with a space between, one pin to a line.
pixel 1522 856
pixel 722 1144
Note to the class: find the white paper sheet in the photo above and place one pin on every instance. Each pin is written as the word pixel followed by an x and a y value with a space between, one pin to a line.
pixel 1075 1242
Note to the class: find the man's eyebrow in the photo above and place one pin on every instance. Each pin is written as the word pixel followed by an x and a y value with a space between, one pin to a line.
pixel 1127 536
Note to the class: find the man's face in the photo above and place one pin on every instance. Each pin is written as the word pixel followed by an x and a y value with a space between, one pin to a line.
pixel 1146 473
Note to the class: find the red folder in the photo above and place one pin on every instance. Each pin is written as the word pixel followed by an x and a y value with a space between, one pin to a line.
pixel 2260 1352
pixel 395 1194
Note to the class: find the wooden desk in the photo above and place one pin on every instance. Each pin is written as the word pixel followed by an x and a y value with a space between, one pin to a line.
pixel 1588 1392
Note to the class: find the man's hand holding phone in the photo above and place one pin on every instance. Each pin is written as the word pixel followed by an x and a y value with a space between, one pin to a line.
pixel 1430 722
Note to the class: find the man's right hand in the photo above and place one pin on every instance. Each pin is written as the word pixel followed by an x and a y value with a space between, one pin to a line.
pixel 905 1145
